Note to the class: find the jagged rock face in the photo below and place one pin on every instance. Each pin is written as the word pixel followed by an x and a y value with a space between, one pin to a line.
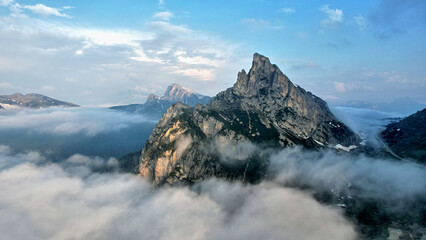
pixel 156 106
pixel 407 138
pixel 227 138
pixel 31 100
pixel 191 144
pixel 293 111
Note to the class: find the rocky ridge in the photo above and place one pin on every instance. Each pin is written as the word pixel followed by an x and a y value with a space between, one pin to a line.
pixel 156 106
pixel 31 100
pixel 407 138
pixel 227 138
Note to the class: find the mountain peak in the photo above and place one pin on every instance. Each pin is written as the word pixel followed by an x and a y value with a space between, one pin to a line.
pixel 152 97
pixel 190 144
pixel 262 78
pixel 177 92
pixel 260 61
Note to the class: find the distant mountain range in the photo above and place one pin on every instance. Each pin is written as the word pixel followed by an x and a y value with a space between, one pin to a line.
pixel 404 106
pixel 31 100
pixel 156 106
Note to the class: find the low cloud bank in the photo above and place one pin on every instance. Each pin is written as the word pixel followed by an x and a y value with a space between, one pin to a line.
pixel 72 199
pixel 381 179
pixel 368 123
pixel 52 201
pixel 60 133
pixel 88 121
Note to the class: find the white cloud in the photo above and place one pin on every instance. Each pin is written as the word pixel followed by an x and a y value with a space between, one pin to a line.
pixel 5 2
pixel 196 73
pixel 340 87
pixel 199 60
pixel 90 122
pixel 259 24
pixel 360 21
pixel 142 57
pixel 288 10
pixel 163 15
pixel 334 17
pixel 160 2
pixel 16 11
pixel 5 85
pixel 47 88
pixel 162 26
pixel 110 62
pixel 45 11
pixel 141 89
pixel 394 77
pixel 70 202
pixel 105 37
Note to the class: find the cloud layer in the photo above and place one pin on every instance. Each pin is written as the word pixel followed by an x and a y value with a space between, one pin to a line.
pixel 109 63
pixel 51 202
pixel 60 132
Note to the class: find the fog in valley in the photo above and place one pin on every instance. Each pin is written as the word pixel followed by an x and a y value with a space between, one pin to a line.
pixel 52 187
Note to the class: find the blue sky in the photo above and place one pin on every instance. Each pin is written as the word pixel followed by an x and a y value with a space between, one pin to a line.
pixel 120 51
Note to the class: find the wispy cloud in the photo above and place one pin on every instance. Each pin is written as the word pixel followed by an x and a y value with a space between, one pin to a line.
pixel 92 52
pixel 47 88
pixel 45 11
pixel 5 2
pixel 287 10
pixel 360 21
pixel 163 15
pixel 340 87
pixel 334 17
pixel 257 24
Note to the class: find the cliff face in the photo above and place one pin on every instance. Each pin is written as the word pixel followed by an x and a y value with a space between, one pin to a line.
pixel 227 138
pixel 407 138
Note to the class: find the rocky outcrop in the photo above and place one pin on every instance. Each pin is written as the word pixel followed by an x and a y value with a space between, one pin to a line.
pixel 228 137
pixel 31 100
pixel 156 106
pixel 407 138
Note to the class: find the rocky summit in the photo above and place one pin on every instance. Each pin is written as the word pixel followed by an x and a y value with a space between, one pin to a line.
pixel 156 106
pixel 31 100
pixel 227 138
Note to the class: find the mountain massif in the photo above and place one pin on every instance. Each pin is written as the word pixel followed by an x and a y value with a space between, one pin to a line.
pixel 156 106
pixel 226 138
pixel 31 100
pixel 407 138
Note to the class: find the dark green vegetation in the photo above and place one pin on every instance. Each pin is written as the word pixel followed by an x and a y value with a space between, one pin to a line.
pixel 407 138
pixel 373 217
pixel 129 163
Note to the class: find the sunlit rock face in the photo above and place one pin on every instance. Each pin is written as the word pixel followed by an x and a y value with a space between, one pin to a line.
pixel 227 138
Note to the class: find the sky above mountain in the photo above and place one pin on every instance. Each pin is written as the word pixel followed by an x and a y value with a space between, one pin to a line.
pixel 117 52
